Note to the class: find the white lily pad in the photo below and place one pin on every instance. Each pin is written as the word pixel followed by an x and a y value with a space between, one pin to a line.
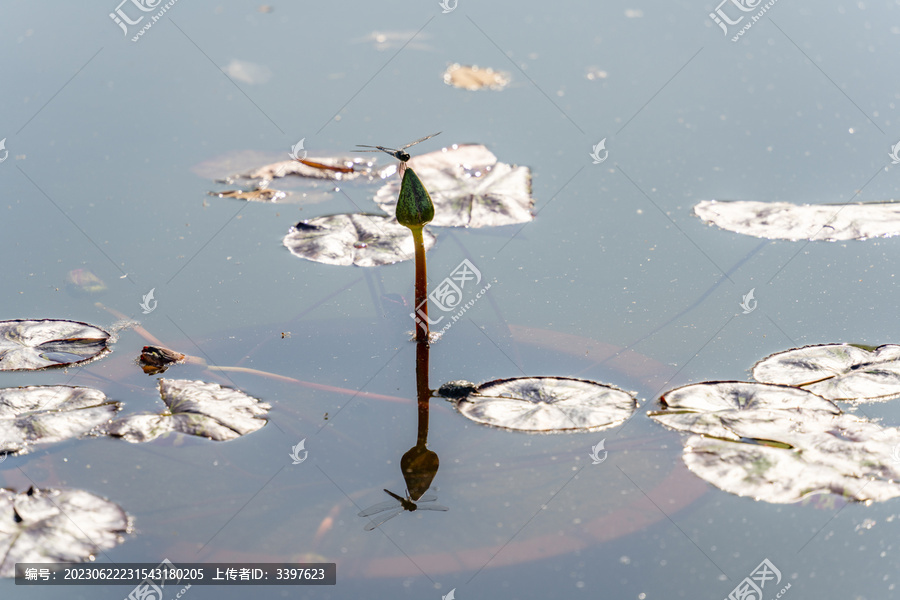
pixel 195 408
pixel 237 166
pixel 334 168
pixel 840 455
pixel 786 221
pixel 353 239
pixel 836 371
pixel 53 525
pixel 469 188
pixel 39 344
pixel 542 404
pixel 709 408
pixel 50 413
pixel 781 444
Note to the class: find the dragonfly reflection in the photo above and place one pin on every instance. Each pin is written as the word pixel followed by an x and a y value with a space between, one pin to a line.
pixel 397 153
pixel 392 508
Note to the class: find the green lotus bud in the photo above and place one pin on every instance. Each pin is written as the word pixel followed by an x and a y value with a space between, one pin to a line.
pixel 414 207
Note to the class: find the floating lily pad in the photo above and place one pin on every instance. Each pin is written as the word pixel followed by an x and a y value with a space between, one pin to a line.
pixel 335 168
pixel 469 188
pixel 247 72
pixel 353 239
pixel 786 221
pixel 542 404
pixel 308 181
pixel 710 408
pixel 53 525
pixel 781 444
pixel 836 371
pixel 50 413
pixel 195 408
pixel 475 78
pixel 32 345
pixel 260 193
pixel 405 39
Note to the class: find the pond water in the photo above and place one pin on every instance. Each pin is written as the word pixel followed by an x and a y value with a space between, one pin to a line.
pixel 106 138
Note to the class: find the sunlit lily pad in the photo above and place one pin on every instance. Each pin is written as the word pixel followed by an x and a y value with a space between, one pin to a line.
pixel 469 188
pixel 353 239
pixel 195 408
pixel 335 168
pixel 50 413
pixel 310 180
pixel 710 408
pixel 786 221
pixel 542 404
pixel 475 78
pixel 781 444
pixel 52 525
pixel 32 345
pixel 260 193
pixel 836 371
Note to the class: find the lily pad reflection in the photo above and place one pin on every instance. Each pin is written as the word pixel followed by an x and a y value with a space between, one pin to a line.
pixel 52 525
pixel 195 408
pixel 353 239
pixel 542 404
pixel 33 344
pixel 836 371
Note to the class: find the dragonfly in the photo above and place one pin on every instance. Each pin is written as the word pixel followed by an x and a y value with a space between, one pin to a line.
pixel 397 153
pixel 392 508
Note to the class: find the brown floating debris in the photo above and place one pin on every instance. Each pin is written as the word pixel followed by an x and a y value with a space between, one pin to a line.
pixel 156 359
pixel 475 78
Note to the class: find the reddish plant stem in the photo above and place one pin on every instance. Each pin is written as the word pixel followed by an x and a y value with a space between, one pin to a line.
pixel 421 287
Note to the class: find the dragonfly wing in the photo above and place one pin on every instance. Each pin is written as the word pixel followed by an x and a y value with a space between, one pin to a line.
pixel 377 508
pixel 426 498
pixel 433 507
pixel 420 140
pixel 382 519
